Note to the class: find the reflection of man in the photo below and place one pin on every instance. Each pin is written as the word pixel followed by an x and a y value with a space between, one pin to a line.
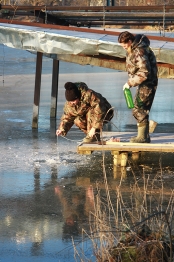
pixel 37 249
pixel 70 227
pixel 142 72
pixel 75 208
pixel 85 108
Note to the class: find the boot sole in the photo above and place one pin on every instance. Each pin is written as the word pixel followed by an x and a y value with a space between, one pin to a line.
pixel 140 142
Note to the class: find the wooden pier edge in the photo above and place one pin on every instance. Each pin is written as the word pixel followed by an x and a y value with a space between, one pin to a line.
pixel 120 150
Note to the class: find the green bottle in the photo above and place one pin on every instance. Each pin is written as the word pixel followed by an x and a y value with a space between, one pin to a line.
pixel 128 97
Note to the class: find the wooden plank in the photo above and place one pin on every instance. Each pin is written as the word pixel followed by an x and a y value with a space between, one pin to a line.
pixel 85 152
pixel 127 147
pixel 159 143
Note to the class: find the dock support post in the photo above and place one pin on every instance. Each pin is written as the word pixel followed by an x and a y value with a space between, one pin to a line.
pixel 119 172
pixel 54 92
pixel 120 158
pixel 116 159
pixel 135 155
pixel 124 158
pixel 37 90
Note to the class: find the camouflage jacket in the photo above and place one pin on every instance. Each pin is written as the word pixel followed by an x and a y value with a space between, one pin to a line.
pixel 141 63
pixel 89 100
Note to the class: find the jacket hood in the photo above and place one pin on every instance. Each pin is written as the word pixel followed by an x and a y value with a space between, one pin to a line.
pixel 140 41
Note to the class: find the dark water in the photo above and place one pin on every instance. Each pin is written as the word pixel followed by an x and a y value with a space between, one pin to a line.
pixel 46 189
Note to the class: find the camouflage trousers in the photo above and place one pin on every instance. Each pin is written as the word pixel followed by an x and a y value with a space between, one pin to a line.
pixel 142 103
pixel 85 123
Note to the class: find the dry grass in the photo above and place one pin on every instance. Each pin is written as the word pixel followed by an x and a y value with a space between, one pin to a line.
pixel 137 228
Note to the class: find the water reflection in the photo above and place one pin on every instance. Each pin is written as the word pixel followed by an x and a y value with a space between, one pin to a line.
pixel 47 190
pixel 75 206
pixel 58 205
pixel 37 249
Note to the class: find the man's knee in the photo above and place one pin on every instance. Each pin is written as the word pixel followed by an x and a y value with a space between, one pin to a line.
pixel 81 123
pixel 140 115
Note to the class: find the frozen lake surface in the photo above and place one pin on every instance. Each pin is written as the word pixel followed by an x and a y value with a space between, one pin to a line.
pixel 45 186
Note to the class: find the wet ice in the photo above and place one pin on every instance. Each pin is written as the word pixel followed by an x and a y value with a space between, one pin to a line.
pixel 38 172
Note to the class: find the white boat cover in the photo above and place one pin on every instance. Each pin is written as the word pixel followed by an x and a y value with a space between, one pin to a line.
pixel 71 42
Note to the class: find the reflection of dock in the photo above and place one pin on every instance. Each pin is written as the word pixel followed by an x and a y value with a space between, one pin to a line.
pixel 160 142
pixel 113 184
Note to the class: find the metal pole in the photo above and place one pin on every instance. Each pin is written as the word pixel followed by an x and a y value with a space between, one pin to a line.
pixel 54 93
pixel 37 90
pixel 164 13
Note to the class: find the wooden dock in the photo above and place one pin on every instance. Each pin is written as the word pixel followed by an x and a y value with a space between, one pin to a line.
pixel 160 142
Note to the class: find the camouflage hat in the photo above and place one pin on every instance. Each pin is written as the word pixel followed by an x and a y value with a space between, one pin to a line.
pixel 72 92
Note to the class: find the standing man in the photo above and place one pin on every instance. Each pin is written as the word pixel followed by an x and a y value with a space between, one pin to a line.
pixel 142 72
pixel 85 108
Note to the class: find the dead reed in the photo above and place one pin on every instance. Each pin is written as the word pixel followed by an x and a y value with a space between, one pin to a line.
pixel 135 228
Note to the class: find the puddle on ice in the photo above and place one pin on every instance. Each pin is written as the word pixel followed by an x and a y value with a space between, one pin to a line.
pixel 20 162
pixel 7 111
pixel 33 213
pixel 15 120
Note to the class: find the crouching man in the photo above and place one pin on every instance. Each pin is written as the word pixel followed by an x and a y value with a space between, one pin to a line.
pixel 85 108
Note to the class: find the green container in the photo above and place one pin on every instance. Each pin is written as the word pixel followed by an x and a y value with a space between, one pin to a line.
pixel 128 97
